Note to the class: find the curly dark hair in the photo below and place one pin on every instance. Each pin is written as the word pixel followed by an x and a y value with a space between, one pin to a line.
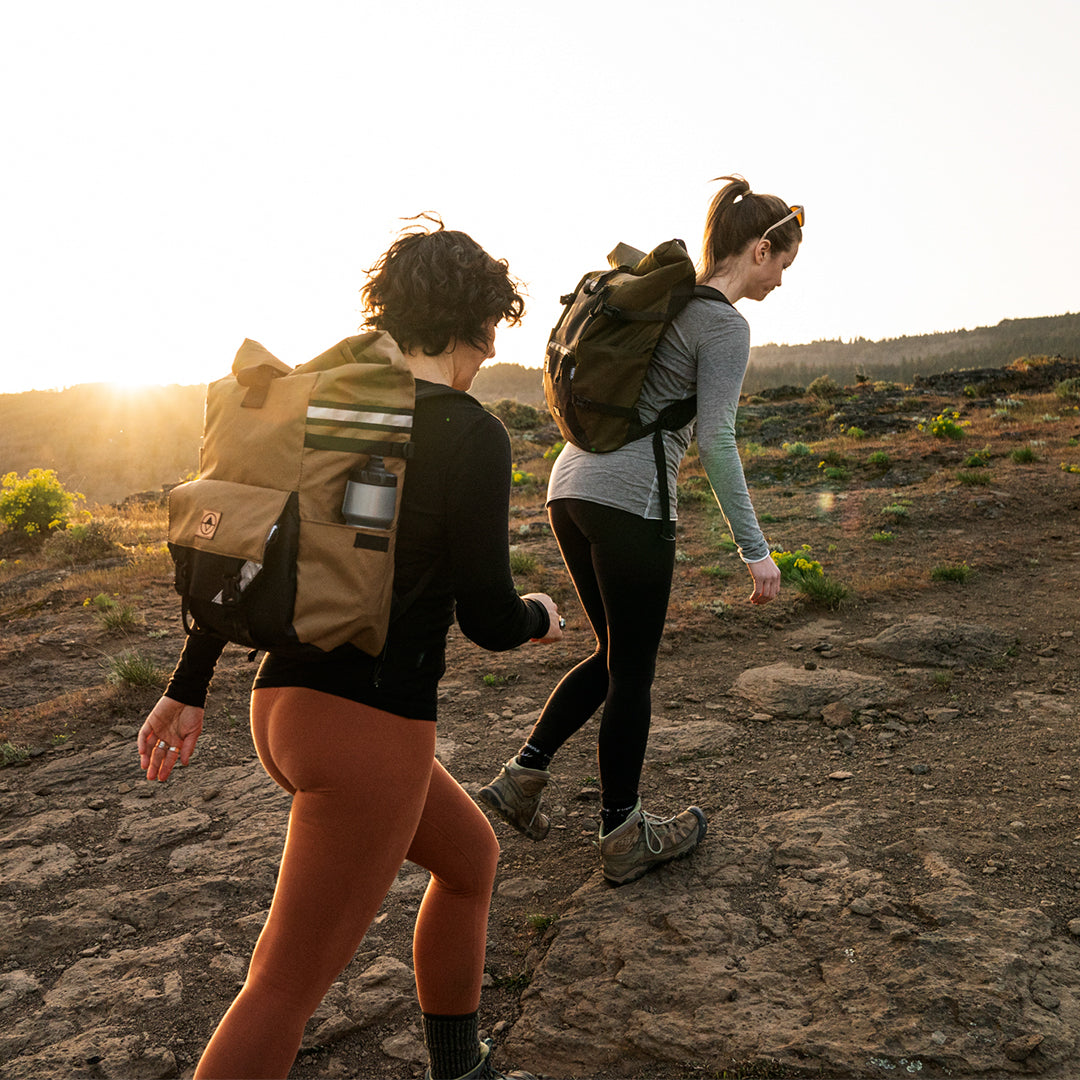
pixel 435 287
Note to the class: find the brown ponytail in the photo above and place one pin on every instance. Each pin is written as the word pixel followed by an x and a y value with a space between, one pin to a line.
pixel 738 217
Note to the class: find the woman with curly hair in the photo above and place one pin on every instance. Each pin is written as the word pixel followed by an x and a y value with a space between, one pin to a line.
pixel 605 510
pixel 352 737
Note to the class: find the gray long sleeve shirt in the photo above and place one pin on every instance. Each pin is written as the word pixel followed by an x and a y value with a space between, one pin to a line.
pixel 705 351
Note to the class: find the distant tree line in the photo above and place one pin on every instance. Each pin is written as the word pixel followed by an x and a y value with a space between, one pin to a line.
pixel 109 443
pixel 901 359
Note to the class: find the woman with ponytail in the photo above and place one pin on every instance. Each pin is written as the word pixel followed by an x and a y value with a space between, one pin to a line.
pixel 604 510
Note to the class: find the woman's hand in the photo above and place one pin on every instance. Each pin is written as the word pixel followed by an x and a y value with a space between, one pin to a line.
pixel 555 624
pixel 168 735
pixel 766 575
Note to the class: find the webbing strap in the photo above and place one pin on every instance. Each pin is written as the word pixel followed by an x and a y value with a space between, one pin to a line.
pixel 359 446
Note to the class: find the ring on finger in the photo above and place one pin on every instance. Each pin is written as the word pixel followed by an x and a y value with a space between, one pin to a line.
pixel 174 749
pixel 162 744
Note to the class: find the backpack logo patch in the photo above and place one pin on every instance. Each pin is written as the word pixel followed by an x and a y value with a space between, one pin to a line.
pixel 208 524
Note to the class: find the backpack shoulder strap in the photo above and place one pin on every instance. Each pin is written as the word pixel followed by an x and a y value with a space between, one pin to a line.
pixel 707 292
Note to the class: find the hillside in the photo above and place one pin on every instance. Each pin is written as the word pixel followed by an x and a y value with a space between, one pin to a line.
pixel 890 882
pixel 108 443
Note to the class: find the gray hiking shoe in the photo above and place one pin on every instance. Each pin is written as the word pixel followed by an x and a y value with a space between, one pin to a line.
pixel 515 796
pixel 484 1070
pixel 644 841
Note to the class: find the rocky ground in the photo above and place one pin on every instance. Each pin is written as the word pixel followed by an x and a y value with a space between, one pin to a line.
pixel 890 884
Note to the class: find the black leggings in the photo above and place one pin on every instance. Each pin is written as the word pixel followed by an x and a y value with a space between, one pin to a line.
pixel 622 572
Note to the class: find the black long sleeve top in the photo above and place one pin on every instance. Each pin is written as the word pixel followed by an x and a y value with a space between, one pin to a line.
pixel 454 513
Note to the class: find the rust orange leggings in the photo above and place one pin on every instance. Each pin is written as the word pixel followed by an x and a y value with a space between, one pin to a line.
pixel 367 795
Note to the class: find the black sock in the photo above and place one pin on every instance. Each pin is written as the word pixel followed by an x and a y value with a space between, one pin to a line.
pixel 453 1044
pixel 611 817
pixel 529 757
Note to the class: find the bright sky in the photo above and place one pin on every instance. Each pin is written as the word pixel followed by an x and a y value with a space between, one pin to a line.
pixel 179 177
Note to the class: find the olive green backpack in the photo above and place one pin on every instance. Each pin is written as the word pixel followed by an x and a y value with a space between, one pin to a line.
pixel 599 352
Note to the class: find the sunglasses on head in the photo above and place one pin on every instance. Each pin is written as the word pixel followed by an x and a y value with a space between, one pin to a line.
pixel 797 212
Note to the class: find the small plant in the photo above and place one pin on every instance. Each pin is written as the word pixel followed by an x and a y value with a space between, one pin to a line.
pixel 122 617
pixel 958 572
pixel 806 574
pixel 83 542
pixel 493 680
pixel 521 562
pixel 540 923
pixel 895 510
pixel 879 460
pixel 853 432
pixel 835 472
pixel 101 602
pixel 947 425
pixel 796 449
pixel 974 479
pixel 824 591
pixel 717 571
pixel 884 537
pixel 942 680
pixel 1070 468
pixel 1024 455
pixel 134 669
pixel 797 566
pixel 554 450
pixel 36 503
pixel 10 754
pixel 979 460
pixel 520 478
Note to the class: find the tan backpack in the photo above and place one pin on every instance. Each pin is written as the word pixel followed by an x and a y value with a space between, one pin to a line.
pixel 263 554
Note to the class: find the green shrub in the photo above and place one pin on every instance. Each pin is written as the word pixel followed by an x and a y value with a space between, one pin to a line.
pixel 979 460
pixel 895 510
pixel 796 449
pixel 884 537
pixel 83 542
pixel 824 591
pixel 837 473
pixel 516 415
pixel 1068 388
pixel 134 669
pixel 520 478
pixel 854 432
pixel 36 503
pixel 521 562
pixel 974 479
pixel 879 460
pixel 554 450
pixel 10 754
pixel 951 572
pixel 1024 455
pixel 824 387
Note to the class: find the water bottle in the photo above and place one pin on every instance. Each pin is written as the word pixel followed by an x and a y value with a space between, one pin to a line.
pixel 370 495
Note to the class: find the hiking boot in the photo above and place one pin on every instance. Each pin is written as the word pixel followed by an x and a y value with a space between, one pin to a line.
pixel 515 796
pixel 644 841
pixel 484 1070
